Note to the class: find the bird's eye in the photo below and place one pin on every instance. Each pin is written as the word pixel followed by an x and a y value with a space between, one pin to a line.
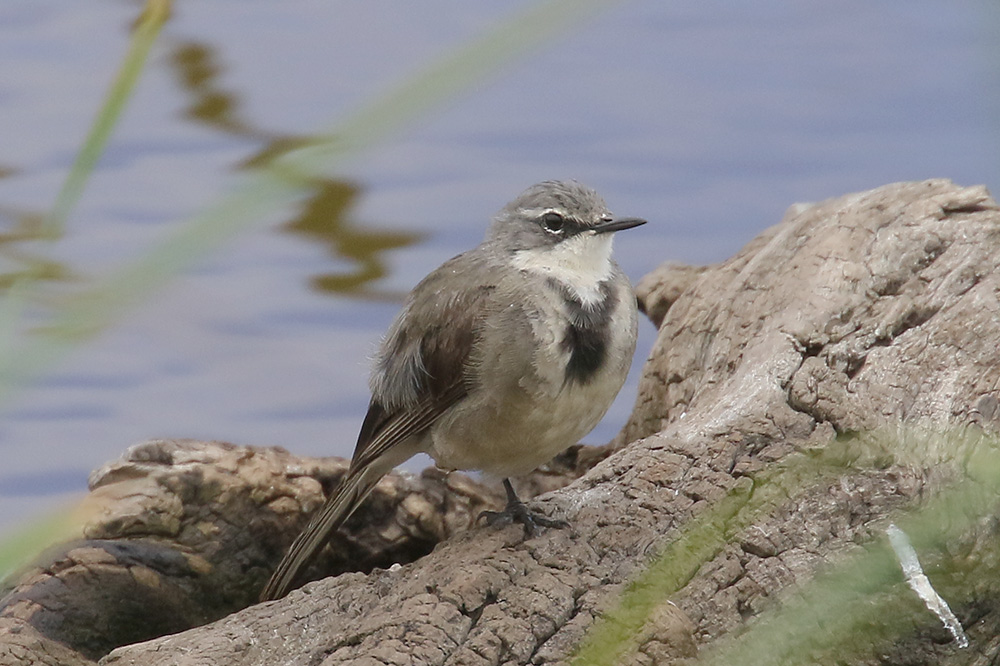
pixel 553 222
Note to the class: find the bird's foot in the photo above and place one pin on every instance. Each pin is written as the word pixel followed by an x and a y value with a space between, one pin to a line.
pixel 517 512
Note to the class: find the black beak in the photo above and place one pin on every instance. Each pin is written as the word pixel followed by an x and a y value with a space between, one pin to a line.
pixel 617 224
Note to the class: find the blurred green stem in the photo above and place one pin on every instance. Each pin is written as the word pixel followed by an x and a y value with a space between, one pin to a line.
pixel 857 603
pixel 280 183
pixel 147 28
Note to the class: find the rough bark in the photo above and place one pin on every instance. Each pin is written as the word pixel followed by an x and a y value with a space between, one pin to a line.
pixel 182 532
pixel 873 311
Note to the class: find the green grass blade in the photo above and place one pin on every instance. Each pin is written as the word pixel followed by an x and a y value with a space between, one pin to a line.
pixel 146 30
pixel 283 181
pixel 442 81
pixel 850 608
pixel 862 604
pixel 20 546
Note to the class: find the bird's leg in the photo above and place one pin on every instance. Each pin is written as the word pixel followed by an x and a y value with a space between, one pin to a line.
pixel 517 512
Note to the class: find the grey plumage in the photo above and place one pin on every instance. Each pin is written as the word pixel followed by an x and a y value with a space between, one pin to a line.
pixel 500 358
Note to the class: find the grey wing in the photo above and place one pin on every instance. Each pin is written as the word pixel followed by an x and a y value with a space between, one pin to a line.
pixel 419 375
pixel 421 368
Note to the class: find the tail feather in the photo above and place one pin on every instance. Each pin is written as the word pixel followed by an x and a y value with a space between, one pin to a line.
pixel 352 490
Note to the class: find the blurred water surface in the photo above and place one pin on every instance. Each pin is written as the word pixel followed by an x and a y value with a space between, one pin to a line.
pixel 707 118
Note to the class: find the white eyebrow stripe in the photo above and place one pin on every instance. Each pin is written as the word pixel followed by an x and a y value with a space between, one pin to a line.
pixel 538 212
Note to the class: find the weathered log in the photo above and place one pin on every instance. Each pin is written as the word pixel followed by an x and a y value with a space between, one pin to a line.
pixel 182 532
pixel 873 311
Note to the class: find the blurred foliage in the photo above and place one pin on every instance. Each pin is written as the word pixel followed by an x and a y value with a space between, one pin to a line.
pixel 289 173
pixel 857 605
pixel 19 547
pixel 860 606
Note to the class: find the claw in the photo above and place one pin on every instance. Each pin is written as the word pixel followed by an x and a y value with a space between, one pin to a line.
pixel 517 512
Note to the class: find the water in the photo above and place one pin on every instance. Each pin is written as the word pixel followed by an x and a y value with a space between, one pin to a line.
pixel 707 118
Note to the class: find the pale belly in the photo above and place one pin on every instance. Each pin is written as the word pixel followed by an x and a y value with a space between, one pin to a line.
pixel 514 436
pixel 513 433
pixel 527 407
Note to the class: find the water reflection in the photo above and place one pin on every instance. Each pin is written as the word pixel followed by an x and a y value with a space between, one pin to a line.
pixel 324 217
pixel 323 220
pixel 197 70
pixel 22 226
pixel 19 263
pixel 713 118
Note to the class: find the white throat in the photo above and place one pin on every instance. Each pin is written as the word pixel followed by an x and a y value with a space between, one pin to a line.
pixel 580 263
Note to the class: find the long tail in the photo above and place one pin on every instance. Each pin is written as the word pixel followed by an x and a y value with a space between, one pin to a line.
pixel 352 490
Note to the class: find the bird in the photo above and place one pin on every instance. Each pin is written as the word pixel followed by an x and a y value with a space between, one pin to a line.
pixel 499 360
